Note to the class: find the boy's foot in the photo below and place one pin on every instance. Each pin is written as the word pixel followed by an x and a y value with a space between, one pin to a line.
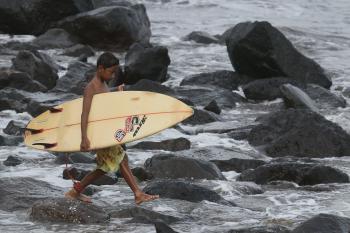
pixel 74 195
pixel 143 197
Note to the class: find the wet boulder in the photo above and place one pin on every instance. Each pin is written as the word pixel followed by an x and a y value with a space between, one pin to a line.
pixel 221 78
pixel 294 97
pixel 200 117
pixel 237 164
pixel 20 193
pixel 213 107
pixel 177 144
pixel 20 80
pixel 33 103
pixel 39 67
pixel 61 210
pixel 79 50
pixel 201 37
pixel 323 98
pixel 13 161
pixel 76 78
pixel 161 227
pixel 34 16
pixel 149 85
pixel 15 128
pixel 9 140
pixel 184 190
pixel 141 215
pixel 324 223
pixel 114 27
pixel 146 62
pixel 300 133
pixel 55 38
pixel 302 174
pixel 202 95
pixel 168 166
pixel 266 89
pixel 259 50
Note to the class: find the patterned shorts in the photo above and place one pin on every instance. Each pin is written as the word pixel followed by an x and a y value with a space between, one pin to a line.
pixel 109 159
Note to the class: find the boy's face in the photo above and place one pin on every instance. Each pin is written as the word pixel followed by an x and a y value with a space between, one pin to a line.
pixel 107 74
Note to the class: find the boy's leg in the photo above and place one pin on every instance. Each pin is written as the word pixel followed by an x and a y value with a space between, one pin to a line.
pixel 130 180
pixel 88 179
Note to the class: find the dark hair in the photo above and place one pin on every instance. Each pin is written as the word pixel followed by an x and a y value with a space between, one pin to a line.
pixel 107 60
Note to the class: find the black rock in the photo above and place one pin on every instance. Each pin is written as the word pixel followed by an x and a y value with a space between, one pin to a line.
pixel 266 89
pixel 20 80
pixel 14 46
pixel 202 95
pixel 141 215
pixel 324 223
pixel 200 117
pixel 294 97
pixel 221 78
pixel 201 37
pixel 324 98
pixel 324 175
pixel 141 174
pixel 177 144
pixel 55 38
pixel 237 165
pixel 270 229
pixel 37 66
pixel 115 27
pixel 172 167
pixel 33 17
pixel 161 227
pixel 182 190
pixel 260 50
pixel 302 174
pixel 346 92
pixel 142 62
pixel 101 3
pixel 79 50
pixel 9 140
pixel 13 161
pixel 21 192
pixel 300 133
pixel 34 104
pixel 61 210
pixel 213 107
pixel 76 78
pixel 15 128
pixel 149 85
pixel 241 133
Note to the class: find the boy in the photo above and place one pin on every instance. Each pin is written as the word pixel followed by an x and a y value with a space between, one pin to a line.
pixel 109 159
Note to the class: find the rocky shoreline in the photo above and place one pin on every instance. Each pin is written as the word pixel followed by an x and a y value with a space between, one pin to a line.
pixel 265 66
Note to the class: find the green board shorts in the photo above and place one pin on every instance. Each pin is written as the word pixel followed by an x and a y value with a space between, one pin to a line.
pixel 109 159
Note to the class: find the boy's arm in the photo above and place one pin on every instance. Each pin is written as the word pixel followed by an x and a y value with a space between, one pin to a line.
pixel 88 95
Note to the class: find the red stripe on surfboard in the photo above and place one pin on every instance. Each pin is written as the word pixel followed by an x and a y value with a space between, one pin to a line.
pixel 112 118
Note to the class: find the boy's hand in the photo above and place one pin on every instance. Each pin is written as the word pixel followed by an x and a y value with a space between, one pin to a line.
pixel 120 87
pixel 85 144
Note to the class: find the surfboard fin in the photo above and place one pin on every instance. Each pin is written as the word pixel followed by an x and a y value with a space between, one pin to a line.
pixel 34 131
pixel 46 145
pixel 55 110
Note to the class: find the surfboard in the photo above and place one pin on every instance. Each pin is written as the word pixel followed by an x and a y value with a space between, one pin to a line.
pixel 114 118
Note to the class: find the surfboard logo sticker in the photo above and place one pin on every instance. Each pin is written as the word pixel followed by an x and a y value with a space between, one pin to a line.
pixel 119 135
pixel 130 122
pixel 142 122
